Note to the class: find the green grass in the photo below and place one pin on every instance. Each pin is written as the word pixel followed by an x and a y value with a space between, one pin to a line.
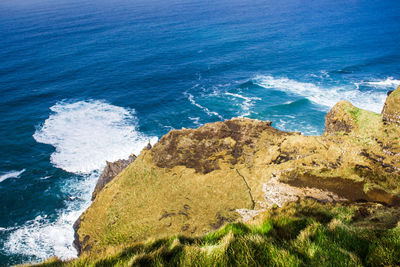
pixel 305 233
pixel 364 119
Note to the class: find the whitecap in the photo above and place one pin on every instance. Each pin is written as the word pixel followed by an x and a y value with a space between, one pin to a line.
pixel 11 174
pixel 325 96
pixel 196 120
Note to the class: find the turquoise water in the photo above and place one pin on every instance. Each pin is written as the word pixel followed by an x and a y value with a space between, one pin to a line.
pixel 84 81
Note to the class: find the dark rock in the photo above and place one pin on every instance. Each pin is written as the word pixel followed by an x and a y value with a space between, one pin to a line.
pixel 148 147
pixel 111 170
pixel 76 243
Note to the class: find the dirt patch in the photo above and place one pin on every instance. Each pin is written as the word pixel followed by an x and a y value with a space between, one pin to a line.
pixel 278 193
pixel 346 188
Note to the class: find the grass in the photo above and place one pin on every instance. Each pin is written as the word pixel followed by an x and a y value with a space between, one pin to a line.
pixel 152 202
pixel 364 119
pixel 305 233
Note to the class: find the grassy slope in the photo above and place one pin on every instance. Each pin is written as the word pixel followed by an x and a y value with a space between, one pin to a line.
pixel 304 233
pixel 148 201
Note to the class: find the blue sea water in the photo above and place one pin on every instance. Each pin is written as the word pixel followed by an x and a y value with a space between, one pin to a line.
pixel 84 81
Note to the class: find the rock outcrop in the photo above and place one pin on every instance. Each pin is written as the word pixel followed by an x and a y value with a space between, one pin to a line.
pixel 195 180
pixel 204 148
pixel 111 170
pixel 339 119
pixel 391 109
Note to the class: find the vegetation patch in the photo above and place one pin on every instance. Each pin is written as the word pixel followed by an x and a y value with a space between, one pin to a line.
pixel 304 233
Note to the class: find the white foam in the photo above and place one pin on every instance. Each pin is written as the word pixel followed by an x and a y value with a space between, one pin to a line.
pixel 246 104
pixel 41 237
pixel 325 96
pixel 11 174
pixel 206 110
pixel 323 75
pixel 385 83
pixel 87 133
pixel 196 120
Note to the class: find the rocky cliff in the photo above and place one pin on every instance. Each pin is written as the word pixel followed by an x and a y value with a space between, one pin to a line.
pixel 196 180
pixel 111 170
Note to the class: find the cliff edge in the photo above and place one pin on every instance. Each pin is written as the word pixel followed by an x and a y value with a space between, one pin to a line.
pixel 196 180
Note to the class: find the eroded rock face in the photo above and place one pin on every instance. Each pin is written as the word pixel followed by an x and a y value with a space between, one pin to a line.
pixel 195 180
pixel 391 109
pixel 111 170
pixel 203 148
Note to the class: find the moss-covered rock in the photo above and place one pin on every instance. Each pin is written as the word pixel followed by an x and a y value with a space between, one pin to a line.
pixel 341 119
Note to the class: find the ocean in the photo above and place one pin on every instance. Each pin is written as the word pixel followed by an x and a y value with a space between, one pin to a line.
pixel 86 81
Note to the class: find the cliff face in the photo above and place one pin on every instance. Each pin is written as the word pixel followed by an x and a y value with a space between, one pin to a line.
pixel 195 180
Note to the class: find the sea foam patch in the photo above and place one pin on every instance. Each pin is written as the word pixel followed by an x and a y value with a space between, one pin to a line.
pixel 247 103
pixel 87 133
pixel 324 95
pixel 11 174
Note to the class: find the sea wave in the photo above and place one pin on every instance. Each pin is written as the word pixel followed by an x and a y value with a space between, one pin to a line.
pixel 247 103
pixel 325 96
pixel 389 82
